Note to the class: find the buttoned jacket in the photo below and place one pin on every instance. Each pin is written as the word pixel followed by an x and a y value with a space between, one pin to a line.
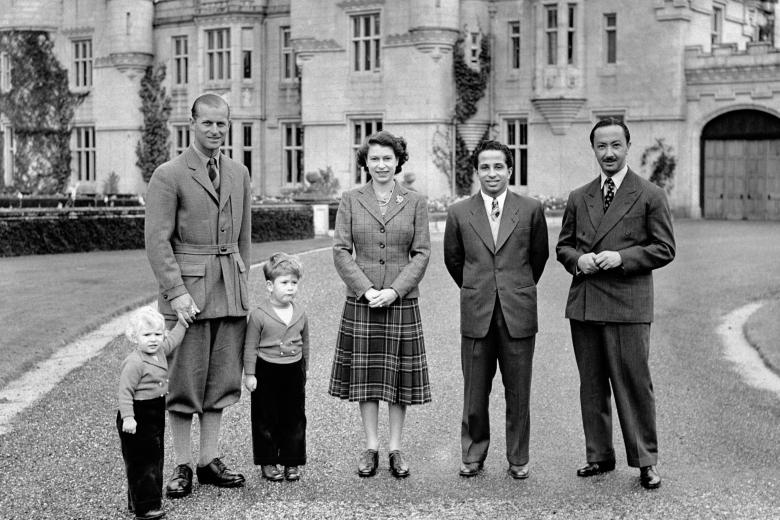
pixel 506 269
pixel 198 240
pixel 275 341
pixel 143 377
pixel 381 251
pixel 638 225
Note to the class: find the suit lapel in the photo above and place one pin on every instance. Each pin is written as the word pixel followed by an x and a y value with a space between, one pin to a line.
pixel 397 201
pixel 594 202
pixel 625 197
pixel 509 218
pixel 199 173
pixel 479 221
pixel 368 200
pixel 225 180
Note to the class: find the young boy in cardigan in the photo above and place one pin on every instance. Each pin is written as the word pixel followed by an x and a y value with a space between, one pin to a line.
pixel 276 357
pixel 143 384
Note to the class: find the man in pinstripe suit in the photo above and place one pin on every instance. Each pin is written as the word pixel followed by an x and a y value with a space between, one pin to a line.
pixel 615 231
pixel 495 248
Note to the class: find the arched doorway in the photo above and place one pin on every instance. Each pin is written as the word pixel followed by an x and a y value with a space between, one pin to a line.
pixel 740 175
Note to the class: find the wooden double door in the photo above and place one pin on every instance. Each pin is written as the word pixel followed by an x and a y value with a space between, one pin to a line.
pixel 742 179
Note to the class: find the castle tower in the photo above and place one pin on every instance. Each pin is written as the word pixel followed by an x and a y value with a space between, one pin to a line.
pixel 123 50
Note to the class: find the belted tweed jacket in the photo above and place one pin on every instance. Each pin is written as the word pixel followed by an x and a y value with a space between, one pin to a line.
pixel 198 240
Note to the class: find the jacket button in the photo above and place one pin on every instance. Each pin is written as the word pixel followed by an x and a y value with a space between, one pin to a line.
pixel 381 245
pixel 381 262
pixel 223 249
pixel 381 230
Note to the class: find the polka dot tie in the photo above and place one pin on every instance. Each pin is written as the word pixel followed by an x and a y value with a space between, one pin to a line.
pixel 610 184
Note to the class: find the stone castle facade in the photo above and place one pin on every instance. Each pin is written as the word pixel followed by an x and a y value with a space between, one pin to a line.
pixel 307 80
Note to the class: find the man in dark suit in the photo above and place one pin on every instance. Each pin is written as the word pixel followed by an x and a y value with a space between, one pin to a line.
pixel 198 237
pixel 616 229
pixel 495 248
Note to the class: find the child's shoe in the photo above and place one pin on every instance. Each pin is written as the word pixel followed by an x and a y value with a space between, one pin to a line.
pixel 271 472
pixel 292 473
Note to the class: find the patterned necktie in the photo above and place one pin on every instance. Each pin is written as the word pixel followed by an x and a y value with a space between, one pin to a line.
pixel 494 211
pixel 610 184
pixel 212 169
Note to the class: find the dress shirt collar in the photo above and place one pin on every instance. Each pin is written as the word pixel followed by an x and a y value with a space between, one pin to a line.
pixel 205 158
pixel 616 178
pixel 488 200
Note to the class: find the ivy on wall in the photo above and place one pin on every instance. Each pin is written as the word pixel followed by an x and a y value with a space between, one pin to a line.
pixel 40 107
pixel 470 86
pixel 662 162
pixel 154 147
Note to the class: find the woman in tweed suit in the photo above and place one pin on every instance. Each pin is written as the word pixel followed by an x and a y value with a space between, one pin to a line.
pixel 380 352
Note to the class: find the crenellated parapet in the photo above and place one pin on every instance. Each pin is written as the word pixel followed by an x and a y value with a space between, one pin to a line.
pixel 760 62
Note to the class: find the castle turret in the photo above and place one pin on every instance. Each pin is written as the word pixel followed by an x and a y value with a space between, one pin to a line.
pixel 123 52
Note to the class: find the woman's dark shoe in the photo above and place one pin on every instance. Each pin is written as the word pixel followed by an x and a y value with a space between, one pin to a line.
pixel 292 473
pixel 271 472
pixel 180 484
pixel 369 461
pixel 398 466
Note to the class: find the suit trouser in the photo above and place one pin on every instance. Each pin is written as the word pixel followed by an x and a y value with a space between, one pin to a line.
pixel 478 361
pixel 204 372
pixel 279 414
pixel 616 353
pixel 143 453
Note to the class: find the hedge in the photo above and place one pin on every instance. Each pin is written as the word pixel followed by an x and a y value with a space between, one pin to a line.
pixel 78 230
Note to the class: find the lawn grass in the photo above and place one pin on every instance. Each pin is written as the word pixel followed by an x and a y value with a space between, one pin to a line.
pixel 47 301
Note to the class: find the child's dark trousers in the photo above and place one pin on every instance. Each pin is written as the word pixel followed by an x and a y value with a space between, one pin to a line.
pixel 143 455
pixel 279 414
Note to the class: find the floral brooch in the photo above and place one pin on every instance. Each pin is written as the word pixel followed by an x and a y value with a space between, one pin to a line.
pixel 399 199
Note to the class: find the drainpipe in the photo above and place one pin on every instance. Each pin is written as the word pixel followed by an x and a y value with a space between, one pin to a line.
pixel 491 78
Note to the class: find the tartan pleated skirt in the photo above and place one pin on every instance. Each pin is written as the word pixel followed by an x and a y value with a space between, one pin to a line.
pixel 380 354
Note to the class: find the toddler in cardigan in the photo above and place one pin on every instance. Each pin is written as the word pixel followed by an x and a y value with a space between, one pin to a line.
pixel 276 357
pixel 143 384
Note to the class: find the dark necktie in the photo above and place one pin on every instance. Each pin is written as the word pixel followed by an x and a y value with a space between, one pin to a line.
pixel 212 169
pixel 494 211
pixel 610 184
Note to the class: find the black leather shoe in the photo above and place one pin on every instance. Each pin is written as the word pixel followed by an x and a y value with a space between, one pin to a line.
pixel 398 466
pixel 271 472
pixel 518 472
pixel 152 514
pixel 292 473
pixel 596 468
pixel 180 484
pixel 216 473
pixel 369 461
pixel 649 477
pixel 470 469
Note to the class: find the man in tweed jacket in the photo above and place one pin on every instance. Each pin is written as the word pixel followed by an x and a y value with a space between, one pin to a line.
pixel 198 236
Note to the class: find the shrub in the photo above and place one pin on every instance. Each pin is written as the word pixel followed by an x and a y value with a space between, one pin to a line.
pixel 46 231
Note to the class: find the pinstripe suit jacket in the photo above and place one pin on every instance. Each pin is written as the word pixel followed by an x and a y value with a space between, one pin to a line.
pixel 187 223
pixel 638 225
pixel 372 250
pixel 510 268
